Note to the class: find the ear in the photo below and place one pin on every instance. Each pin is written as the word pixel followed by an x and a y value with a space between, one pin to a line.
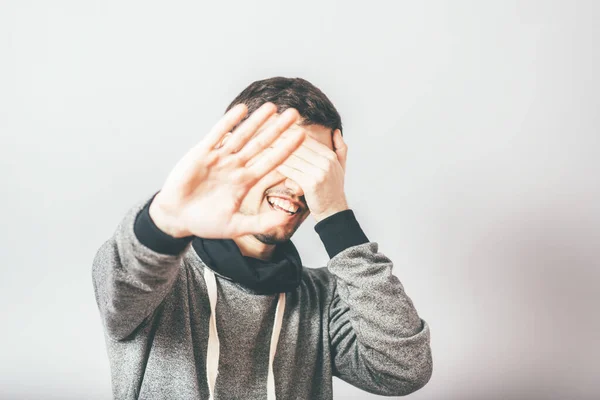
pixel 340 148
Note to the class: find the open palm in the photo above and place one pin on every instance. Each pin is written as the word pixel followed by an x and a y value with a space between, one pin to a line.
pixel 203 193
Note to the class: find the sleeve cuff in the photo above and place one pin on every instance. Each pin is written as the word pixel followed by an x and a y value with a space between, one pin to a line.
pixel 340 231
pixel 152 237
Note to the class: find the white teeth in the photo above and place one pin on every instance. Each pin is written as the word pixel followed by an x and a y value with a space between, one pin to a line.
pixel 284 204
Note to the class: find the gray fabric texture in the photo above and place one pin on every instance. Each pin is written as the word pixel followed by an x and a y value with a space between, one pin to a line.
pixel 350 319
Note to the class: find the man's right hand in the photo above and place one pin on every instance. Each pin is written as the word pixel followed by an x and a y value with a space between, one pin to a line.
pixel 203 193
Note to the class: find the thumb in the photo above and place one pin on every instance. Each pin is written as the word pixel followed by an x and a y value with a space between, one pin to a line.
pixel 340 147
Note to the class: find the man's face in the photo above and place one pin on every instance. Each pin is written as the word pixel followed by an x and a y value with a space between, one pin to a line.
pixel 275 191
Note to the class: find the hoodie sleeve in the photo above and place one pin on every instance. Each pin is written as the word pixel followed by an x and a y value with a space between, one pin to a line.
pixel 134 270
pixel 378 341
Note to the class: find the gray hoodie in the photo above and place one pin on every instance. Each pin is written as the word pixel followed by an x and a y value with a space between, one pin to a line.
pixel 350 319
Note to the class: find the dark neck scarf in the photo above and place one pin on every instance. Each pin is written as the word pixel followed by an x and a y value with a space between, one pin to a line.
pixel 279 275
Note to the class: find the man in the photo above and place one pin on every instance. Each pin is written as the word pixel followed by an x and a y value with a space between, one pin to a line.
pixel 203 295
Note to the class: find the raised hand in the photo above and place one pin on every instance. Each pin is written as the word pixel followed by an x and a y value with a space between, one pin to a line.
pixel 203 193
pixel 320 172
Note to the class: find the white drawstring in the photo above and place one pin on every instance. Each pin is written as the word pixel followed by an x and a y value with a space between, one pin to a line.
pixel 212 353
pixel 279 310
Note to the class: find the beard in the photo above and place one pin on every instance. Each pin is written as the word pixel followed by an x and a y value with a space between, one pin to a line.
pixel 269 239
pixel 275 238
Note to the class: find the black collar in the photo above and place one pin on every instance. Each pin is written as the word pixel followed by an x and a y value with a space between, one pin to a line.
pixel 281 274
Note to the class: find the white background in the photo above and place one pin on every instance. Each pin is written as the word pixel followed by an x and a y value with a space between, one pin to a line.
pixel 474 162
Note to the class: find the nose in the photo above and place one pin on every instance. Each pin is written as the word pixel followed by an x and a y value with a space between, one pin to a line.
pixel 294 187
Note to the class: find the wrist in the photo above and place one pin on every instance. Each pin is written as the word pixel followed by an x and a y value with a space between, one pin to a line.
pixel 329 212
pixel 164 222
pixel 154 238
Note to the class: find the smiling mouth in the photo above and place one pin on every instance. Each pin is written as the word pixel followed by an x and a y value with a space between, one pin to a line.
pixel 283 205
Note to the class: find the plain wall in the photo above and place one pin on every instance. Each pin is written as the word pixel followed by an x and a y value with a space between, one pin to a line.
pixel 474 161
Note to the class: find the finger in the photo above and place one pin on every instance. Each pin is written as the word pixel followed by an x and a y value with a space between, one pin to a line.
pixel 254 159
pixel 276 156
pixel 303 166
pixel 223 140
pixel 225 125
pixel 340 147
pixel 248 128
pixel 276 143
pixel 268 136
pixel 269 178
pixel 292 173
pixel 317 153
pixel 317 146
pixel 308 155
pixel 267 125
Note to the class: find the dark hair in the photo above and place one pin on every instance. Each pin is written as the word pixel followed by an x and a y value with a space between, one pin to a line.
pixel 312 104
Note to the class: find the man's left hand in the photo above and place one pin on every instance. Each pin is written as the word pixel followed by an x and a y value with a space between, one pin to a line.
pixel 320 172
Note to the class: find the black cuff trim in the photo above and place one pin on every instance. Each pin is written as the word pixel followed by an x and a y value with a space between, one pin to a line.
pixel 340 231
pixel 155 239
